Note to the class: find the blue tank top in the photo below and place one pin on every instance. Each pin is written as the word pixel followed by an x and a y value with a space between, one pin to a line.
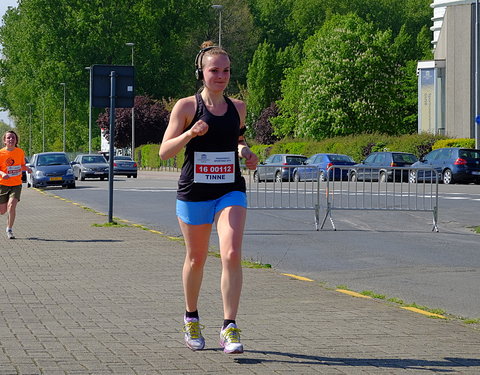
pixel 222 136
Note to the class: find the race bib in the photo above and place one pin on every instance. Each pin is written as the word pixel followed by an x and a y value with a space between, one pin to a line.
pixel 14 170
pixel 214 167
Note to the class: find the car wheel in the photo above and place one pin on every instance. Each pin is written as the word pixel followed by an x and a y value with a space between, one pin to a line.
pixel 321 176
pixel 71 186
pixel 353 177
pixel 128 176
pixel 296 177
pixel 412 177
pixel 28 184
pixel 255 177
pixel 102 178
pixel 278 177
pixel 134 176
pixel 383 177
pixel 447 177
pixel 82 177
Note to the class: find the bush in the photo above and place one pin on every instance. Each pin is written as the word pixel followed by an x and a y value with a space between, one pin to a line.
pixel 262 151
pixel 459 142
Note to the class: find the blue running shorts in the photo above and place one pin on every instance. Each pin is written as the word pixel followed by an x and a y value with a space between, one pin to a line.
pixel 197 213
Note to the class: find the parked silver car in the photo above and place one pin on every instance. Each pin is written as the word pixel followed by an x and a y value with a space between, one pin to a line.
pixel 278 167
pixel 90 166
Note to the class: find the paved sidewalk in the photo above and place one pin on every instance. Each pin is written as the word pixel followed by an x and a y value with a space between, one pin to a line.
pixel 79 299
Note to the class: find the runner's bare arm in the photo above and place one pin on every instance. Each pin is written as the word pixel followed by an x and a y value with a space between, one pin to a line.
pixel 175 138
pixel 251 159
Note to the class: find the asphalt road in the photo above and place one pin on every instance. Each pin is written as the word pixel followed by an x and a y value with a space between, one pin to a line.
pixel 391 253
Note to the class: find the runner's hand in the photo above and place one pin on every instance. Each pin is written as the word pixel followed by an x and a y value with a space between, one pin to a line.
pixel 199 128
pixel 251 160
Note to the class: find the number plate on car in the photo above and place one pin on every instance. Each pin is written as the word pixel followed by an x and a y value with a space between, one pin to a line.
pixel 55 178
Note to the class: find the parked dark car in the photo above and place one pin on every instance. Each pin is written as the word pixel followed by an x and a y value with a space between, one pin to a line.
pixel 50 169
pixel 90 166
pixel 124 166
pixel 377 167
pixel 278 167
pixel 452 164
pixel 316 168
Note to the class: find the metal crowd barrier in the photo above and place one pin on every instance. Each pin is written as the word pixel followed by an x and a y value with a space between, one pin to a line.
pixel 386 189
pixel 274 193
pixel 373 189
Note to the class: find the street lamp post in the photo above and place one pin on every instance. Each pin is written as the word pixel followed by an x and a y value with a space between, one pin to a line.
pixel 130 44
pixel 43 124
pixel 219 8
pixel 477 75
pixel 64 118
pixel 90 70
pixel 30 131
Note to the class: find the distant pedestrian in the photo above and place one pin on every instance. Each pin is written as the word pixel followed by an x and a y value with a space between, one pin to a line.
pixel 12 163
pixel 211 189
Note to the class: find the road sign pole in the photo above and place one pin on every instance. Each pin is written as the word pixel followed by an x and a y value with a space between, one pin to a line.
pixel 111 144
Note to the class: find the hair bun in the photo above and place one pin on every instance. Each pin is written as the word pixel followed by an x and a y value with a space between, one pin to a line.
pixel 207 44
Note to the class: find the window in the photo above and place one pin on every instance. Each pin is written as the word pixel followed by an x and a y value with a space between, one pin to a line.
pixel 404 158
pixel 432 156
pixel 370 159
pixel 380 159
pixel 469 154
pixel 340 158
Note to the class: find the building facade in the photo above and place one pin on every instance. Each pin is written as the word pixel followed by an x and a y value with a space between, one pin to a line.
pixel 447 91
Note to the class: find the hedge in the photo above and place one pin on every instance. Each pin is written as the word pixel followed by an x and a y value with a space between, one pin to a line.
pixel 147 157
pixel 358 147
pixel 459 142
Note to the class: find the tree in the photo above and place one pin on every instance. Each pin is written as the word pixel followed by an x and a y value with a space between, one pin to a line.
pixel 265 75
pixel 345 85
pixel 151 120
pixel 263 80
pixel 3 128
pixel 270 17
pixel 46 42
pixel 263 126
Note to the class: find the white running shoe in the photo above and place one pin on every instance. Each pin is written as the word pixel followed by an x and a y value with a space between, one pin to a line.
pixel 193 335
pixel 230 339
pixel 10 234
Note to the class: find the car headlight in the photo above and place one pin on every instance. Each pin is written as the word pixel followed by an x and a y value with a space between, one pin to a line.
pixel 39 174
pixel 69 171
pixel 85 169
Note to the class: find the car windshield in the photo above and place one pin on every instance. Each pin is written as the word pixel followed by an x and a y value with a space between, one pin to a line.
pixel 404 158
pixel 340 158
pixel 295 160
pixel 128 158
pixel 93 159
pixel 469 154
pixel 52 160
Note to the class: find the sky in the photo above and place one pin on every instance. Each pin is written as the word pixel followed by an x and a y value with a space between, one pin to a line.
pixel 4 4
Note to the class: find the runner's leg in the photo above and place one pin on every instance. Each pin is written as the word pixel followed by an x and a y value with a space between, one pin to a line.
pixel 230 225
pixel 196 238
pixel 11 209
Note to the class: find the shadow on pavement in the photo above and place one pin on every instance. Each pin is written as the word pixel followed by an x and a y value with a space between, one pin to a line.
pixel 399 363
pixel 72 241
